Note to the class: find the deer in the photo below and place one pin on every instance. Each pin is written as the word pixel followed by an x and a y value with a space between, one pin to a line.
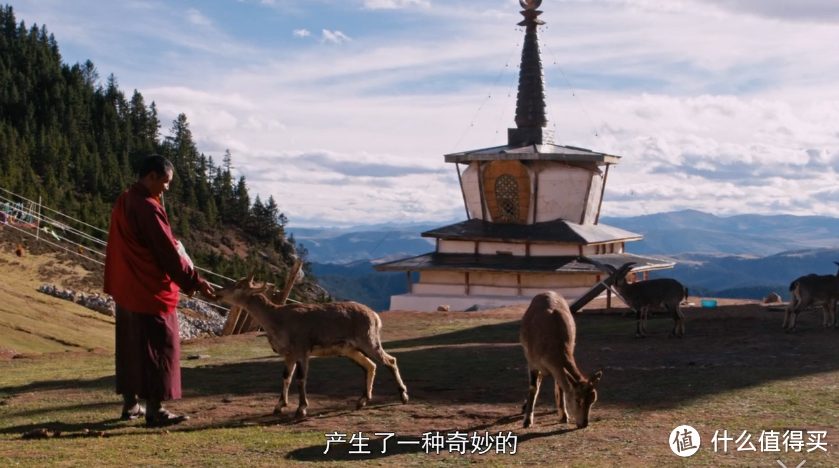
pixel 548 336
pixel 656 294
pixel 301 331
pixel 809 291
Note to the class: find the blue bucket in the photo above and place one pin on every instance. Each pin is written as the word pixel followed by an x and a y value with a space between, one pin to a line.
pixel 708 303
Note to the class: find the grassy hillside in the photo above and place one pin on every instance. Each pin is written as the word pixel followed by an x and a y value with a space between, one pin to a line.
pixel 32 322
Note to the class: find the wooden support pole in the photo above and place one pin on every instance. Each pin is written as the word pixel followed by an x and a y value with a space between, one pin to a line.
pixel 244 324
pixel 518 280
pixel 646 275
pixel 536 167
pixel 483 193
pixel 467 283
pixel 602 193
pixel 608 299
pixel 409 283
pixel 232 318
pixel 462 191
pixel 289 282
pixel 38 221
pixel 588 196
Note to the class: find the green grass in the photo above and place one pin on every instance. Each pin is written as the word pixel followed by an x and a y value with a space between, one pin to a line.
pixel 733 371
pixel 468 374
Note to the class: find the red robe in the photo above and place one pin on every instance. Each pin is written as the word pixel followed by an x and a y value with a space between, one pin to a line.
pixel 143 270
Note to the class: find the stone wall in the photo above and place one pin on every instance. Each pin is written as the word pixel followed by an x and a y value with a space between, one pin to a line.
pixel 209 322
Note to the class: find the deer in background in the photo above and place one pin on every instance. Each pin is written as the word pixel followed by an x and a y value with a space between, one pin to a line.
pixel 657 294
pixel 813 290
pixel 301 331
pixel 548 335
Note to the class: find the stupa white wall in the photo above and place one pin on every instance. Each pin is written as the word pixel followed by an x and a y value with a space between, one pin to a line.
pixel 564 191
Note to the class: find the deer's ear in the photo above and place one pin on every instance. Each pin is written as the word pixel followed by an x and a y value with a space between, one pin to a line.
pixel 595 379
pixel 249 279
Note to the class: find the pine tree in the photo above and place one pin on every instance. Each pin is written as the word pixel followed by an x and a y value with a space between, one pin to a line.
pixel 78 143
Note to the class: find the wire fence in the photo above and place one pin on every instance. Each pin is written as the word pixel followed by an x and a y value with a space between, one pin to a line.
pixel 78 249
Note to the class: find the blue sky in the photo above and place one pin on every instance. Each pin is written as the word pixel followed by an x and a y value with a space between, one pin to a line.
pixel 343 109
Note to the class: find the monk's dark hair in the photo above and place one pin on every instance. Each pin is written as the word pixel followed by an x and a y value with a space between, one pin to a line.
pixel 157 164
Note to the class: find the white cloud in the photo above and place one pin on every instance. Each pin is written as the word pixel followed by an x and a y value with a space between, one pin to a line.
pixel 393 4
pixel 800 10
pixel 301 33
pixel 335 37
pixel 715 105
pixel 197 18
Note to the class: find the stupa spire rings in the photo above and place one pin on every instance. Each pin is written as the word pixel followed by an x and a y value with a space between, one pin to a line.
pixel 530 4
pixel 531 106
pixel 531 14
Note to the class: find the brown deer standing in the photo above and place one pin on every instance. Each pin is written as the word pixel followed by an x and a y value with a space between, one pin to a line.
pixel 656 294
pixel 813 290
pixel 301 331
pixel 548 335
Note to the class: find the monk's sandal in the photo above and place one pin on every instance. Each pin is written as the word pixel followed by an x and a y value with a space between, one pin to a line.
pixel 133 413
pixel 164 418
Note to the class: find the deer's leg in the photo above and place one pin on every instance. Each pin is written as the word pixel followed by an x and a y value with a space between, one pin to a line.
pixel 825 313
pixel 638 316
pixel 369 370
pixel 533 394
pixel 302 375
pixel 675 316
pixel 290 365
pixel 791 311
pixel 377 352
pixel 792 317
pixel 679 316
pixel 560 402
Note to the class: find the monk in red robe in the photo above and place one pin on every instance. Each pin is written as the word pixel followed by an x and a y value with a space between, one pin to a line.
pixel 144 273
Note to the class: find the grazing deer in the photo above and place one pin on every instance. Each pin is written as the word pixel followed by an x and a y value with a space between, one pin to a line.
pixel 548 335
pixel 301 331
pixel 809 291
pixel 657 294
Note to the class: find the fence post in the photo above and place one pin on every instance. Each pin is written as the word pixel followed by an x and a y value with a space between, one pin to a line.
pixel 38 221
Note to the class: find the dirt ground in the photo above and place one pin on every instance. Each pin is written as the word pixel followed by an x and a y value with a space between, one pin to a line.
pixel 734 370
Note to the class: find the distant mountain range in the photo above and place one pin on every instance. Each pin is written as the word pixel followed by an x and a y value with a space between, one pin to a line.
pixel 347 245
pixel 696 231
pixel 745 256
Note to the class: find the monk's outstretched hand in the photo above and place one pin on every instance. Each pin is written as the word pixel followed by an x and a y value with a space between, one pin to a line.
pixel 207 290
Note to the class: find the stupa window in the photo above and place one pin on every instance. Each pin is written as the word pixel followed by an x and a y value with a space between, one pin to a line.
pixel 507 196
